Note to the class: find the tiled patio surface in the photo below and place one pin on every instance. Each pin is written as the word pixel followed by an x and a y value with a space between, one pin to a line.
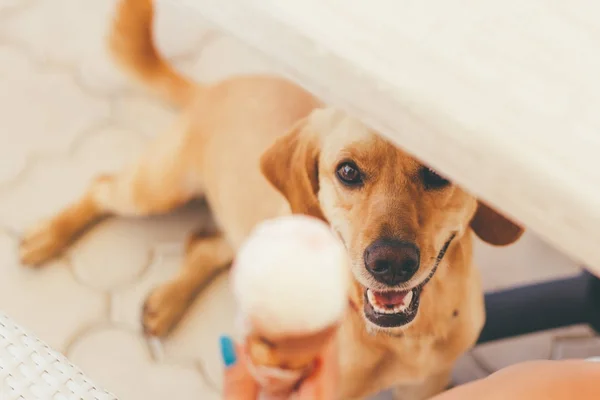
pixel 66 114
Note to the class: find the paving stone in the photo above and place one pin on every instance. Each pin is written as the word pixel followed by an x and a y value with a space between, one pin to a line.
pixel 48 302
pixel 119 361
pixel 179 29
pixel 196 338
pixel 10 5
pixel 42 112
pixel 110 255
pixel 73 33
pixel 127 302
pixel 117 252
pixel 70 33
pixel 51 183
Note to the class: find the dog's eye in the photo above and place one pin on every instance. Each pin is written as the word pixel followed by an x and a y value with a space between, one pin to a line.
pixel 432 180
pixel 349 174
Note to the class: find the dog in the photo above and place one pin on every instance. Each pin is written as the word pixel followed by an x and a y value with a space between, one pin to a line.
pixel 258 147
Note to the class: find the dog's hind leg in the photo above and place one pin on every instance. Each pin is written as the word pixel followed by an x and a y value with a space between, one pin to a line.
pixel 157 182
pixel 205 257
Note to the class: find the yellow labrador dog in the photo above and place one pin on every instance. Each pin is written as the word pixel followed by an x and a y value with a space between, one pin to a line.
pixel 257 147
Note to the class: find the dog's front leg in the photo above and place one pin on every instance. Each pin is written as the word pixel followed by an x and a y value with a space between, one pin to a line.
pixel 205 257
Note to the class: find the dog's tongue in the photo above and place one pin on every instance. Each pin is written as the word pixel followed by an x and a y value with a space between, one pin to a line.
pixel 390 299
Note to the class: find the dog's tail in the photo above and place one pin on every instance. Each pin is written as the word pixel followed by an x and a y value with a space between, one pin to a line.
pixel 132 45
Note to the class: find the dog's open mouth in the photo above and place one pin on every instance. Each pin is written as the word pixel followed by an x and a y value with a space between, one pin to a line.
pixel 395 308
pixel 391 309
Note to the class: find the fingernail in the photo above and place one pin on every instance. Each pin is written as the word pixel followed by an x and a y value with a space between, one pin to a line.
pixel 227 351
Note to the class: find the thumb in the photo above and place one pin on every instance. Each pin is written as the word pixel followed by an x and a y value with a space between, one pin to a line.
pixel 323 383
pixel 238 383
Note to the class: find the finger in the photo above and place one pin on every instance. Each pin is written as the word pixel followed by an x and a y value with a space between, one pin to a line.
pixel 322 384
pixel 238 382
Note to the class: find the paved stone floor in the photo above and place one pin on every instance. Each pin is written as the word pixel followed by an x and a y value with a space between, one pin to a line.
pixel 66 114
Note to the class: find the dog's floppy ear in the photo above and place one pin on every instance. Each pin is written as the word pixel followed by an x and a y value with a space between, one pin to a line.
pixel 494 228
pixel 291 164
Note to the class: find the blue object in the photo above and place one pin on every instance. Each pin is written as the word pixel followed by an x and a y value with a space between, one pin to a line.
pixel 227 351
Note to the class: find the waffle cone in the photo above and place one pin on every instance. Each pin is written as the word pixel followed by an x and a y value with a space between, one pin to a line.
pixel 280 363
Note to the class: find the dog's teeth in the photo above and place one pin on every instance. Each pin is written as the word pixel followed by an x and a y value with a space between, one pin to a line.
pixel 407 299
pixel 371 298
pixel 395 310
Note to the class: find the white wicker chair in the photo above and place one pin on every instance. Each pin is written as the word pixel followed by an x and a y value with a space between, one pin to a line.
pixel 29 369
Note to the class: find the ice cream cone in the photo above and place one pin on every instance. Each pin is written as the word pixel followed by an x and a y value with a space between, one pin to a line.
pixel 291 284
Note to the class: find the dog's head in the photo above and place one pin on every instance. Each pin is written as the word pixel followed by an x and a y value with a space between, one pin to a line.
pixel 396 216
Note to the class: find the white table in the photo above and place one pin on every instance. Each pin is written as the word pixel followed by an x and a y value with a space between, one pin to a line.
pixel 502 96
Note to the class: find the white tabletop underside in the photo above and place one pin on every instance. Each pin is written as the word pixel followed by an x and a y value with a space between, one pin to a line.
pixel 502 96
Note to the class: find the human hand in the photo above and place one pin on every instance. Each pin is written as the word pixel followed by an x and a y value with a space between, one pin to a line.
pixel 240 385
pixel 548 380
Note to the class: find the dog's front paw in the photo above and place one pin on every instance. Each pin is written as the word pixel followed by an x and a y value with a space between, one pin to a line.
pixel 42 243
pixel 163 309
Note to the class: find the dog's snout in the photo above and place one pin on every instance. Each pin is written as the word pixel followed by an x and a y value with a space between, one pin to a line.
pixel 392 262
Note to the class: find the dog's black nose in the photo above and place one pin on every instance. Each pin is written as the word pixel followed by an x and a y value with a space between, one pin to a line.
pixel 392 262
